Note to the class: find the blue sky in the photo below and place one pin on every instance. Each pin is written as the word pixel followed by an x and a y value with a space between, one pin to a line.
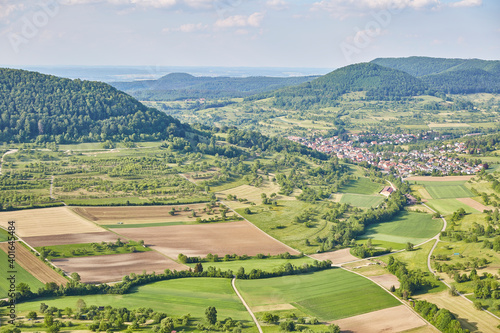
pixel 259 33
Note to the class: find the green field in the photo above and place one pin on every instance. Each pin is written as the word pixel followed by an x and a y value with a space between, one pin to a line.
pixel 4 235
pixel 21 276
pixel 327 295
pixel 362 185
pixel 175 297
pixel 449 192
pixel 405 227
pixel 269 264
pixel 448 206
pixel 362 200
pixel 86 250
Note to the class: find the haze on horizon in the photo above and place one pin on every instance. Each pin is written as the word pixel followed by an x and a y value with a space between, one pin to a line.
pixel 243 33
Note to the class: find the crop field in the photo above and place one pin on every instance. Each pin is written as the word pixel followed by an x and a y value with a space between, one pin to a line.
pixel 267 264
pixel 327 295
pixel 4 235
pixel 474 204
pixel 405 227
pixel 251 193
pixel 336 257
pixel 33 266
pixel 88 237
pixel 175 297
pixel 362 200
pixel 448 206
pixel 448 192
pixel 201 239
pixel 110 268
pixel 395 319
pixel 144 214
pixel 362 185
pixel 90 249
pixel 47 221
pixel 22 275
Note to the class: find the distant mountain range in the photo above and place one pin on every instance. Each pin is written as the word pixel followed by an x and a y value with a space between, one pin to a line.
pixel 177 86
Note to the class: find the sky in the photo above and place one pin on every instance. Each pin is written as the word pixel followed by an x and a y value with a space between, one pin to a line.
pixel 257 33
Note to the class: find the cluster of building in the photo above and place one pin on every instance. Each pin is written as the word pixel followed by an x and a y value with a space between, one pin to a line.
pixel 396 139
pixel 426 161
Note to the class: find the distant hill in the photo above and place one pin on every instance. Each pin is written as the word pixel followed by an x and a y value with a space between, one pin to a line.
pixel 456 76
pixel 379 83
pixel 40 107
pixel 176 86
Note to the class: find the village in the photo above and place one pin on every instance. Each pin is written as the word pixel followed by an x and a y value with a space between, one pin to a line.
pixel 435 160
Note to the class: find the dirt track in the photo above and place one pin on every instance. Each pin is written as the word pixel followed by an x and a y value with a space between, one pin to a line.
pixel 35 266
pixel 109 268
pixel 90 237
pixel 201 239
pixel 396 319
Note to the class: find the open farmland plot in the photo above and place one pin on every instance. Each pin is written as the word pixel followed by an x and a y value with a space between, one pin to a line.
pixel 252 194
pixel 362 185
pixel 362 200
pixel 47 222
pixel 448 206
pixel 109 268
pixel 405 227
pixel 88 237
pixel 336 257
pixel 22 275
pixel 34 266
pixel 143 214
pixel 328 295
pixel 199 240
pixel 175 297
pixel 448 192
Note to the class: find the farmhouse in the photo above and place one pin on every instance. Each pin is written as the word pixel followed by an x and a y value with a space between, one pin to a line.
pixel 387 191
pixel 410 199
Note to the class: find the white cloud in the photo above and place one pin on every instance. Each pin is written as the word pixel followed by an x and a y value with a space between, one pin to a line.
pixel 187 28
pixel 466 3
pixel 8 8
pixel 253 20
pixel 277 4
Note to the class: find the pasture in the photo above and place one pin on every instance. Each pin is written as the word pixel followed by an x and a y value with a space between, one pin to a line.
pixel 22 275
pixel 361 200
pixel 328 295
pixel 448 191
pixel 47 222
pixel 175 297
pixel 362 185
pixel 91 249
pixel 405 227
pixel 201 239
pixel 267 264
pixel 448 206
pixel 110 268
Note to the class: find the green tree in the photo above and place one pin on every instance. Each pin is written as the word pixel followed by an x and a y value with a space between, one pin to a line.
pixel 287 326
pixel 167 325
pixel 211 314
pixel 31 315
pixel 333 328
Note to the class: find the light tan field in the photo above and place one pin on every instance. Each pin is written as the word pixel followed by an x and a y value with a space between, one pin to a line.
pixel 396 319
pixel 419 208
pixel 474 204
pixel 439 179
pixel 336 197
pixel 470 318
pixel 447 125
pixel 47 221
pixel 273 307
pixel 195 240
pixel 91 237
pixel 336 257
pixel 113 267
pixel 143 214
pixel 252 194
pixel 386 280
pixel 35 266
pixel 424 194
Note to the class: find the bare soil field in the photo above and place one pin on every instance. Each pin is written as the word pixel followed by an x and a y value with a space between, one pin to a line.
pixel 336 257
pixel 439 179
pixel 201 239
pixel 470 318
pixel 113 267
pixel 396 319
pixel 273 307
pixel 142 214
pixel 35 266
pixel 47 221
pixel 386 280
pixel 474 204
pixel 89 237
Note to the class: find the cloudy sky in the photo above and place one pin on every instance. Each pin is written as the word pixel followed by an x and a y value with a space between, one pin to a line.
pixel 253 33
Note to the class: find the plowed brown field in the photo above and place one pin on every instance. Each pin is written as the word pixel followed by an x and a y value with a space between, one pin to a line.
pixel 90 237
pixel 109 268
pixel 199 240
pixel 35 266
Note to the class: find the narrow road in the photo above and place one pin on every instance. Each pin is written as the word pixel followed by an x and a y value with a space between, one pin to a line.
pixel 246 305
pixel 6 153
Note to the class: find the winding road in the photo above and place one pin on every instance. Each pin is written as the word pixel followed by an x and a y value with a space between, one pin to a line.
pixel 246 305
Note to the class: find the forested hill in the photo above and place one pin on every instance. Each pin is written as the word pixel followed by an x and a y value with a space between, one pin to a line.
pixel 379 83
pixel 40 107
pixel 455 76
pixel 176 86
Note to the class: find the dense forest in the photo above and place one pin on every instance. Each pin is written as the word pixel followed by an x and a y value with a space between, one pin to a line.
pixel 38 107
pixel 451 76
pixel 179 86
pixel 379 83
